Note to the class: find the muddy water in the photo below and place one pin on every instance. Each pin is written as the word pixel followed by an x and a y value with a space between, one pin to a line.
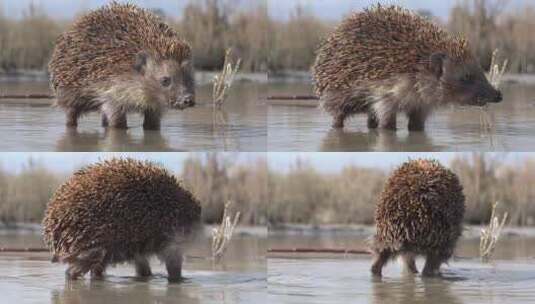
pixel 298 128
pixel 240 278
pixel 32 125
pixel 338 279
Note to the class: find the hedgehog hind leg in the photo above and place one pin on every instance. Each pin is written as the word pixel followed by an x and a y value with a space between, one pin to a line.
pixel 72 115
pixel 142 266
pixel 172 257
pixel 432 265
pixel 380 258
pixel 409 262
pixel 342 105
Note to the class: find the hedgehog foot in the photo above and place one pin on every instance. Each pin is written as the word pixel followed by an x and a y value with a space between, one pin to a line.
pixel 142 267
pixel 113 117
pixel 77 270
pixel 409 263
pixel 172 256
pixel 97 272
pixel 432 266
pixel 380 260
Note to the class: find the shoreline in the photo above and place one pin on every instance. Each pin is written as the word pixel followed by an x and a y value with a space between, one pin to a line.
pixel 201 77
pixel 469 232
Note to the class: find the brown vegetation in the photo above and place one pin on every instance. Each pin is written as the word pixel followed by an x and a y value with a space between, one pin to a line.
pixel 263 43
pixel 213 179
pixel 300 195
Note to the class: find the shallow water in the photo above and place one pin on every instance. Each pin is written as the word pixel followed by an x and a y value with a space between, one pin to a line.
pixel 33 125
pixel 240 278
pixel 298 128
pixel 510 278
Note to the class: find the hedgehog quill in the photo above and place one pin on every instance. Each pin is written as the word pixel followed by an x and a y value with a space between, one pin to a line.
pixel 120 59
pixel 120 210
pixel 420 212
pixel 388 60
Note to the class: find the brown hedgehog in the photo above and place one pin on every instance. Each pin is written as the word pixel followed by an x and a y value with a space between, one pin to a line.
pixel 121 58
pixel 420 212
pixel 120 210
pixel 387 60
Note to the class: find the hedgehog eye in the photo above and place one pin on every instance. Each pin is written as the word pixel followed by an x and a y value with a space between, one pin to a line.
pixel 165 81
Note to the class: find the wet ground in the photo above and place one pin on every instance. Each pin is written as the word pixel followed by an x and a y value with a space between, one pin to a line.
pixel 239 278
pixel 307 128
pixel 339 278
pixel 33 125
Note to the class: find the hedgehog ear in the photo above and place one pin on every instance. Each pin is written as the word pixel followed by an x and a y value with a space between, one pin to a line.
pixel 436 64
pixel 141 62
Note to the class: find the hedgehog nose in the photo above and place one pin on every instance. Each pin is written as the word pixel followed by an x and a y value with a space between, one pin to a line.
pixel 189 100
pixel 499 97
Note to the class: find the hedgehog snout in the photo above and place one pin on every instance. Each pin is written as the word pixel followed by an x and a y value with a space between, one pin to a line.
pixel 184 101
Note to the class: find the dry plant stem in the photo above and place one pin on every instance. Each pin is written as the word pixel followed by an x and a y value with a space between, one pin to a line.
pixel 223 81
pixel 491 234
pixel 222 235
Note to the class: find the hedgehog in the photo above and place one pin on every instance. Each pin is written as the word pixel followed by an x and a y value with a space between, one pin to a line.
pixel 119 59
pixel 387 60
pixel 419 212
pixel 116 211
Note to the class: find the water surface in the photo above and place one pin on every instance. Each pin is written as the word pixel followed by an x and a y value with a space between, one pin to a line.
pixel 336 278
pixel 300 128
pixel 33 125
pixel 240 278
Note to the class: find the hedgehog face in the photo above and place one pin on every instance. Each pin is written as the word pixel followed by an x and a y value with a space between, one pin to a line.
pixel 168 81
pixel 463 82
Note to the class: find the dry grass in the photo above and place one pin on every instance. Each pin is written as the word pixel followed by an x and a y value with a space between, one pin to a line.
pixel 223 81
pixel 222 234
pixel 491 234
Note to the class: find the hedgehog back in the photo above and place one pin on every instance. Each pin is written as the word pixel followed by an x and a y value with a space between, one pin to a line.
pixel 122 206
pixel 420 209
pixel 379 43
pixel 104 43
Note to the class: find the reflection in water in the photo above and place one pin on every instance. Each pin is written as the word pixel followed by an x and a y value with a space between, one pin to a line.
pixel 376 140
pixel 111 140
pixel 410 289
pixel 88 292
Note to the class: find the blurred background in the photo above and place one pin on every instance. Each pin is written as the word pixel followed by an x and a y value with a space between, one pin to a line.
pixel 29 28
pixel 343 188
pixel 268 34
pixel 27 181
pixel 488 24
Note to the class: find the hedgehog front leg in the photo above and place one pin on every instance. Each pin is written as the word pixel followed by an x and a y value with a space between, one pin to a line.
pixel 152 120
pixel 142 266
pixel 172 256
pixel 379 261
pixel 417 120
